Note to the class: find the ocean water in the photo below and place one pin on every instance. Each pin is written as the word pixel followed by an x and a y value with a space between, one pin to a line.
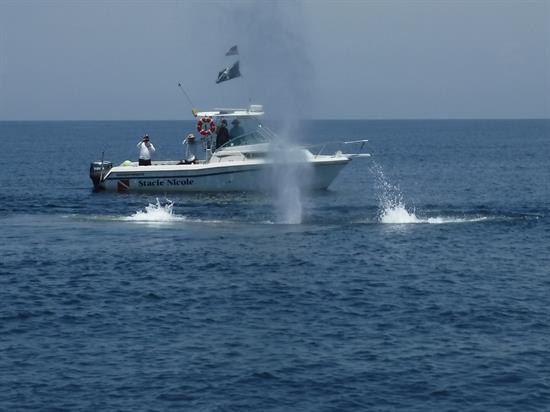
pixel 419 281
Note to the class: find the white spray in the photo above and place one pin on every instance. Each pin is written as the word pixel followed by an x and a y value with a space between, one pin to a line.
pixel 392 208
pixel 289 178
pixel 156 212
pixel 277 71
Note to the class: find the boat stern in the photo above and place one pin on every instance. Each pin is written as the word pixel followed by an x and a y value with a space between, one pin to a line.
pixel 98 171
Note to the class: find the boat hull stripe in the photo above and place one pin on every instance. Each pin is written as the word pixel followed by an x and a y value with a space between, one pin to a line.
pixel 120 176
pixel 191 174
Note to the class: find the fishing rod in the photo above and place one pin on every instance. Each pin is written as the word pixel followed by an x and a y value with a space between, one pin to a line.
pixel 102 158
pixel 193 110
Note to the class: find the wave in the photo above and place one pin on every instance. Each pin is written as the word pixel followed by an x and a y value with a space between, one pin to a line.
pixel 391 209
pixel 400 215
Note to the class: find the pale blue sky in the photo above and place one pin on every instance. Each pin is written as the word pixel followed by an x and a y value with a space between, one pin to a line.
pixel 320 59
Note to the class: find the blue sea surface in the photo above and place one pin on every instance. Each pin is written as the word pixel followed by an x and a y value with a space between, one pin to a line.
pixel 419 281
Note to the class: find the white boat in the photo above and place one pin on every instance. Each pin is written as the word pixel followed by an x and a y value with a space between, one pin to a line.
pixel 251 161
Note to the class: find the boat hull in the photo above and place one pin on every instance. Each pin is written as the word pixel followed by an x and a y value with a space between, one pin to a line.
pixel 238 176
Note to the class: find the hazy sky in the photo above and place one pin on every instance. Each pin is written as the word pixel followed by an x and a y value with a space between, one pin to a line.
pixel 320 59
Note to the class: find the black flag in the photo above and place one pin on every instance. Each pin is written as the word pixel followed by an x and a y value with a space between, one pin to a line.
pixel 232 51
pixel 229 73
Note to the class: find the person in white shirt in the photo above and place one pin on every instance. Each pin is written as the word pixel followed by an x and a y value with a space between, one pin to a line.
pixel 146 149
pixel 192 149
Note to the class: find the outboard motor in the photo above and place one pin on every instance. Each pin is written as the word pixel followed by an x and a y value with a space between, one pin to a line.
pixel 98 170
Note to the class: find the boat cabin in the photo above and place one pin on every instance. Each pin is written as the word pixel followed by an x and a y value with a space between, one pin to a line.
pixel 245 131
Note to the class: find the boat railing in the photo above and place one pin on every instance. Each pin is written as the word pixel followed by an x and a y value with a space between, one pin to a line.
pixel 266 131
pixel 340 144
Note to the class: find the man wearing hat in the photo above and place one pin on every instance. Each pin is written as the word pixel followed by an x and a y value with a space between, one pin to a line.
pixel 192 149
pixel 222 136
pixel 146 150
pixel 236 130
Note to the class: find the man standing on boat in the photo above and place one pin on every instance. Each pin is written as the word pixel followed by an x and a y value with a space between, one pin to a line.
pixel 236 130
pixel 146 149
pixel 192 149
pixel 222 137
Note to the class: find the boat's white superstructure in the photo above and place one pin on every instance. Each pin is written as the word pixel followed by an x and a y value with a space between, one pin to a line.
pixel 248 162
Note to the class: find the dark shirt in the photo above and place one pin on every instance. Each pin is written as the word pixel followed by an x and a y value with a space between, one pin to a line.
pixel 222 136
pixel 236 131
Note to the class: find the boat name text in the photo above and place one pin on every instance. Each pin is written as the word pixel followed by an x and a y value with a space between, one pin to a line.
pixel 167 182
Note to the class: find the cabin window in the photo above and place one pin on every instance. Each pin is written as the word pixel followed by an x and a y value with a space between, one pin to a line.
pixel 255 155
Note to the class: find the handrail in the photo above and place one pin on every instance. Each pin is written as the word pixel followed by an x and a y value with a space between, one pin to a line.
pixel 325 144
pixel 337 141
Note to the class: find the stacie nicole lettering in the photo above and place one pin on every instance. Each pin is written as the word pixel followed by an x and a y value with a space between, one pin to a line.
pixel 167 182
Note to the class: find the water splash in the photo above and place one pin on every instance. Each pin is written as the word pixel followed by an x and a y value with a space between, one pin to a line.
pixel 443 220
pixel 287 92
pixel 393 210
pixel 288 204
pixel 289 176
pixel 156 212
pixel 398 214
pixel 392 206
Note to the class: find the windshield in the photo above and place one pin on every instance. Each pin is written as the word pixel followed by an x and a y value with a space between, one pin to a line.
pixel 244 131
pixel 248 138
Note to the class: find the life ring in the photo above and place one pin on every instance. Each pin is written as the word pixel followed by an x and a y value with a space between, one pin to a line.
pixel 206 126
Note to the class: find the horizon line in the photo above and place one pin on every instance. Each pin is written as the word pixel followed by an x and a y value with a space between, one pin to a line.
pixel 309 119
